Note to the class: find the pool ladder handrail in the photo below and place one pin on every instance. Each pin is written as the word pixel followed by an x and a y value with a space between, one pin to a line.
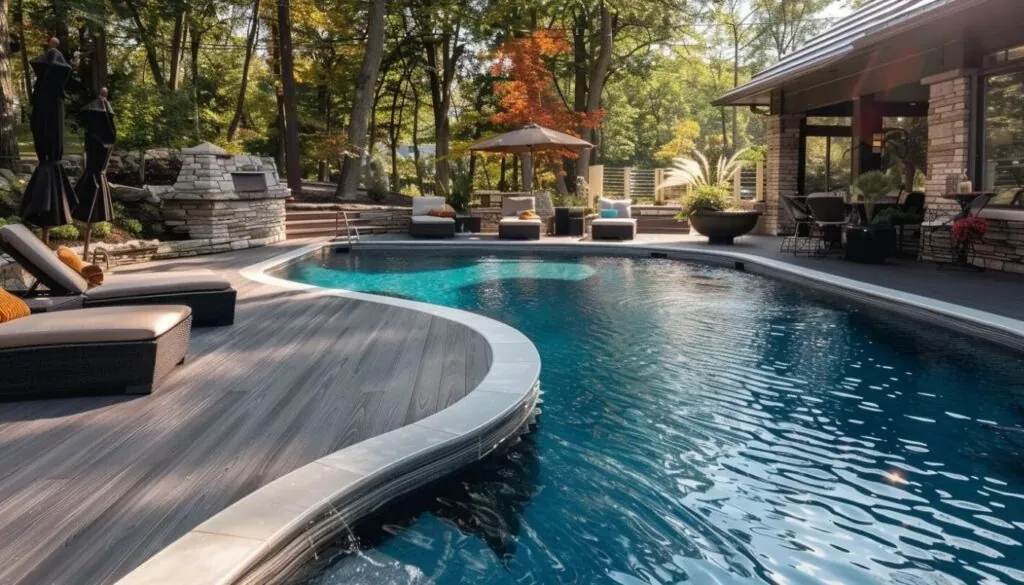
pixel 342 216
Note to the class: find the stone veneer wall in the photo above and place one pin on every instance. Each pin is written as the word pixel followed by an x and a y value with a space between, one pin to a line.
pixel 205 206
pixel 780 171
pixel 949 138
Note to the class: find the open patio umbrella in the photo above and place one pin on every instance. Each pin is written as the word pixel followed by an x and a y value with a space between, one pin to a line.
pixel 92 188
pixel 49 196
pixel 528 140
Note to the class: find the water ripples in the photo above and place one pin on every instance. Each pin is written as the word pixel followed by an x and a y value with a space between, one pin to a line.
pixel 704 425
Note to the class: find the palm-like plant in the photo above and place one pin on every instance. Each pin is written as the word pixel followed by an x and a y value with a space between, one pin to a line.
pixel 699 172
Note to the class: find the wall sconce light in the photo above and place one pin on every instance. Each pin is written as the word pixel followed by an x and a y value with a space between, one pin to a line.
pixel 877 141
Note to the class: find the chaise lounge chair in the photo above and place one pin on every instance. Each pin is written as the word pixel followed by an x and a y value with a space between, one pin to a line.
pixel 511 227
pixel 424 225
pixel 110 350
pixel 620 227
pixel 210 297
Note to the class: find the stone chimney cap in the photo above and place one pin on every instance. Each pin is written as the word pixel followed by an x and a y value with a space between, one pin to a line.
pixel 205 148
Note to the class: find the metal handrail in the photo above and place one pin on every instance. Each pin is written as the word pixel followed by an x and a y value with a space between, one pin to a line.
pixel 342 216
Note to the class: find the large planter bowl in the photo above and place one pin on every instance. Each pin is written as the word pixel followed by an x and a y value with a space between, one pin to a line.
pixel 869 244
pixel 721 227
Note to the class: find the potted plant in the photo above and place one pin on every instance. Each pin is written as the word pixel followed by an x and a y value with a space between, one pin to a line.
pixel 875 240
pixel 707 205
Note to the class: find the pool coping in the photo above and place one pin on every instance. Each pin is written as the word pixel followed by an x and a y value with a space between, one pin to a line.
pixel 267 535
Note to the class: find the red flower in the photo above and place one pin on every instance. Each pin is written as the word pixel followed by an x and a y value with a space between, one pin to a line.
pixel 969 228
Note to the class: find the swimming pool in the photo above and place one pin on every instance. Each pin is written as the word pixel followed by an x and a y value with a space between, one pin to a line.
pixel 705 424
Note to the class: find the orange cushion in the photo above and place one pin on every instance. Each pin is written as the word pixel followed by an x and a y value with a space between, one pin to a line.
pixel 93 274
pixel 11 307
pixel 68 256
pixel 441 212
pixel 528 214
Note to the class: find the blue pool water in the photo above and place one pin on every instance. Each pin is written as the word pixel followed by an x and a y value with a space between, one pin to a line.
pixel 705 425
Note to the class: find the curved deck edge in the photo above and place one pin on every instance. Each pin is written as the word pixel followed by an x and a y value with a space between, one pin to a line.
pixel 266 535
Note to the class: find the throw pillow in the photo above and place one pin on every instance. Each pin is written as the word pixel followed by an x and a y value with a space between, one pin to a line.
pixel 528 214
pixel 441 212
pixel 11 307
pixel 68 256
pixel 93 274
pixel 609 213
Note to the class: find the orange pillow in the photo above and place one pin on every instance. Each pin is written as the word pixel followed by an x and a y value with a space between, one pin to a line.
pixel 68 256
pixel 441 212
pixel 528 214
pixel 11 307
pixel 93 274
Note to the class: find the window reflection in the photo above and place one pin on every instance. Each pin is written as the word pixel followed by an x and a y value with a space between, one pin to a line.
pixel 1004 137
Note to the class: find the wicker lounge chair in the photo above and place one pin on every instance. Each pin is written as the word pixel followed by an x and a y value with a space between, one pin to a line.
pixel 111 350
pixel 622 227
pixel 510 227
pixel 210 297
pixel 424 225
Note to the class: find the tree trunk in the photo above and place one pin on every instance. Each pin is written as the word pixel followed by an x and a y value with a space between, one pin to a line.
pixel 595 86
pixel 147 41
pixel 416 137
pixel 19 18
pixel 735 84
pixel 8 137
pixel 274 51
pixel 363 99
pixel 322 100
pixel 441 75
pixel 176 42
pixel 290 96
pixel 250 46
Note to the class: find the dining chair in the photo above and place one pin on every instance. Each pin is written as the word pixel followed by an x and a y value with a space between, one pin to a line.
pixel 801 217
pixel 828 216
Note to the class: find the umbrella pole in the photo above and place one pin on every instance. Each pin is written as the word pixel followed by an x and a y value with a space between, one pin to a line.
pixel 88 230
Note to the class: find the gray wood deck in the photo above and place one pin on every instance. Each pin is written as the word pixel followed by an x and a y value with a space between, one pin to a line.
pixel 90 488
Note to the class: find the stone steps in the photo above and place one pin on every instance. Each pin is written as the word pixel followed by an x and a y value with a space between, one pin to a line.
pixel 661 225
pixel 319 223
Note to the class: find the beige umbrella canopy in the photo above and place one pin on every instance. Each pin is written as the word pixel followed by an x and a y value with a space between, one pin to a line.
pixel 528 140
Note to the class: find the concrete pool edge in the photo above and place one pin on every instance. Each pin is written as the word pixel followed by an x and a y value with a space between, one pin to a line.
pixel 265 536
pixel 223 549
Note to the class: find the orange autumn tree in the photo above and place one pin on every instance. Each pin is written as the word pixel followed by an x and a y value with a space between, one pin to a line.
pixel 527 94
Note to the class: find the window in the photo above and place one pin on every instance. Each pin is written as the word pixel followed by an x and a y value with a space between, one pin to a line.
pixel 1003 129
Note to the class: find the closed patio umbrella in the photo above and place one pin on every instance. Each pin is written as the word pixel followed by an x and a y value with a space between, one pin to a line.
pixel 49 196
pixel 92 188
pixel 528 140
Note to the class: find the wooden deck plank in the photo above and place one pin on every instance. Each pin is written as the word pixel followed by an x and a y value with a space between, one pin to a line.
pixel 91 487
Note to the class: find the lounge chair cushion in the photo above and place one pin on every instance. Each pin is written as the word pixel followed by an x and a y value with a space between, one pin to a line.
pixel 11 307
pixel 423 205
pixel 517 221
pixel 425 219
pixel 101 325
pixel 621 206
pixel 25 243
pixel 513 206
pixel 613 221
pixel 157 283
pixel 68 257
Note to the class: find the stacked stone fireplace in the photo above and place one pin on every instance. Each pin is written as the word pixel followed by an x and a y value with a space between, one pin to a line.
pixel 224 202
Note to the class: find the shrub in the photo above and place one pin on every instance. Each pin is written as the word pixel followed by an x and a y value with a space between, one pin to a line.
pixel 64 233
pixel 130 225
pixel 704 198
pixel 870 187
pixel 101 230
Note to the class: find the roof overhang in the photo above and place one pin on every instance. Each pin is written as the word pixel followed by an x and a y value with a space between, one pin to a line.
pixel 856 35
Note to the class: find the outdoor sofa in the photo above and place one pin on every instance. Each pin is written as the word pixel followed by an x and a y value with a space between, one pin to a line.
pixel 108 350
pixel 621 227
pixel 510 227
pixel 210 297
pixel 424 225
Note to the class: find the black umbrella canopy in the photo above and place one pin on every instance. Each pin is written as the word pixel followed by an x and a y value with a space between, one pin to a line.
pixel 93 190
pixel 529 139
pixel 49 196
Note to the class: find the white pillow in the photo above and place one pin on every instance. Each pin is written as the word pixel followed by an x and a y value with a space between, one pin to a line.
pixel 423 205
pixel 621 206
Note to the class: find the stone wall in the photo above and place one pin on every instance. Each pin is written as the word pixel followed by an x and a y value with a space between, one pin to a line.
pixel 949 118
pixel 780 171
pixel 209 208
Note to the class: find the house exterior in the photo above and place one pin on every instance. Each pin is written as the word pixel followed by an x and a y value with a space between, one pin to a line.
pixel 959 63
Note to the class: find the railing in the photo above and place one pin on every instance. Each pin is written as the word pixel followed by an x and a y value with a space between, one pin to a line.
pixel 341 217
pixel 642 185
